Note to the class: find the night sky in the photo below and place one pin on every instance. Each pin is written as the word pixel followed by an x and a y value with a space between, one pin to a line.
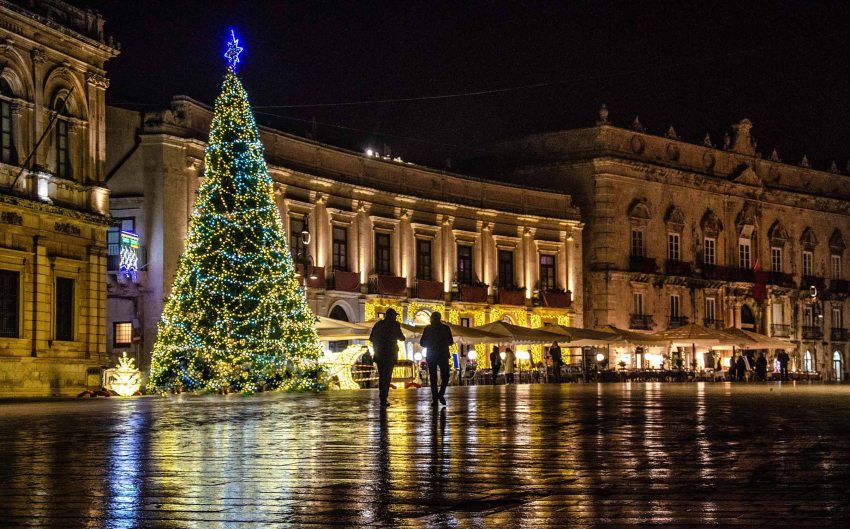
pixel 699 66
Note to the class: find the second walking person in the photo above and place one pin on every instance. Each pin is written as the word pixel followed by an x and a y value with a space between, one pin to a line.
pixel 436 339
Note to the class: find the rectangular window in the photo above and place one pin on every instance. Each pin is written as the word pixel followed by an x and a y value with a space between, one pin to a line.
pixel 340 248
pixel 778 314
pixel 776 260
pixel 122 334
pixel 383 252
pixel 423 259
pixel 673 247
pixel 296 245
pixel 638 248
pixel 835 266
pixel 63 167
pixel 464 348
pixel 464 264
pixel 6 132
pixel 9 301
pixel 675 315
pixel 638 302
pixel 506 268
pixel 807 263
pixel 837 318
pixel 744 257
pixel 808 317
pixel 64 309
pixel 547 272
pixel 709 256
pixel 710 309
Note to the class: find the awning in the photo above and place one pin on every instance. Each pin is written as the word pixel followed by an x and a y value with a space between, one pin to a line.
pixel 578 337
pixel 693 335
pixel 507 332
pixel 461 334
pixel 754 340
pixel 633 338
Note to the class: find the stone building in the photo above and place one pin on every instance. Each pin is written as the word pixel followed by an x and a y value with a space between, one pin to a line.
pixel 679 232
pixel 383 233
pixel 53 203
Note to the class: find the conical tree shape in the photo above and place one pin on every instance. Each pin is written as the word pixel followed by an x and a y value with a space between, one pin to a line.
pixel 236 318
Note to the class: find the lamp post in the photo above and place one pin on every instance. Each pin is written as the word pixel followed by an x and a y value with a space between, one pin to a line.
pixel 303 257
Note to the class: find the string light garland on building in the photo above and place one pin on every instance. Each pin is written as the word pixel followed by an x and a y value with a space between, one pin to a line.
pixel 236 319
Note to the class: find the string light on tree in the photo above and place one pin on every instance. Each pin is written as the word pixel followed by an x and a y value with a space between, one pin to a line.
pixel 236 319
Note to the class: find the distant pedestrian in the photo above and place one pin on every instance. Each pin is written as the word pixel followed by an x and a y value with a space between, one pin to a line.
pixel 495 362
pixel 437 338
pixel 761 368
pixel 741 368
pixel 733 370
pixel 557 362
pixel 385 336
pixel 783 364
pixel 510 362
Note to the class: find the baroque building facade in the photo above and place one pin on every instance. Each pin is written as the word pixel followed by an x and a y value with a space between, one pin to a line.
pixel 382 233
pixel 679 232
pixel 53 202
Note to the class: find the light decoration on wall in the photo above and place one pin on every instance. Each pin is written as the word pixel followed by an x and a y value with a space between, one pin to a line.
pixel 236 319
pixel 123 379
pixel 129 255
pixel 377 306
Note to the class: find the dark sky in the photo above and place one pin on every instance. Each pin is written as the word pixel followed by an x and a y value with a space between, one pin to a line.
pixel 698 65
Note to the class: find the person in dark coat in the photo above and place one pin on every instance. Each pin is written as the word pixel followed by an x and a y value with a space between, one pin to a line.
pixel 436 339
pixel 557 361
pixel 761 368
pixel 783 364
pixel 385 336
pixel 741 368
pixel 495 362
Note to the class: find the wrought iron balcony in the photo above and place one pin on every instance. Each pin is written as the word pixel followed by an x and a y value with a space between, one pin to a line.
pixel 780 330
pixel 813 281
pixel 677 321
pixel 429 289
pixel 639 263
pixel 677 268
pixel 640 321
pixel 781 279
pixel 812 332
pixel 712 323
pixel 387 285
pixel 839 335
pixel 839 286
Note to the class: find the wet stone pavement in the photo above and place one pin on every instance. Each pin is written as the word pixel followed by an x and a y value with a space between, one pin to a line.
pixel 612 455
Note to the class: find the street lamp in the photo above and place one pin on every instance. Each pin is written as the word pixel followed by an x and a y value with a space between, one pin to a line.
pixel 304 258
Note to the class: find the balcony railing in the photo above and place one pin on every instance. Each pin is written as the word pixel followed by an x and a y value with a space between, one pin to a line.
pixel 639 263
pixel 677 321
pixel 780 330
pixel 839 286
pixel 346 281
pixel 812 333
pixel 839 335
pixel 781 279
pixel 557 299
pixel 473 293
pixel 741 275
pixel 429 289
pixel 387 285
pixel 712 323
pixel 511 296
pixel 640 321
pixel 713 271
pixel 677 268
pixel 813 281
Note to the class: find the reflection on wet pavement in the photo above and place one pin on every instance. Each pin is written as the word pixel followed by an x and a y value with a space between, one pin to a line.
pixel 530 456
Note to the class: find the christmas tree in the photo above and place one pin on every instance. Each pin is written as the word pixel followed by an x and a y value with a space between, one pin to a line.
pixel 236 319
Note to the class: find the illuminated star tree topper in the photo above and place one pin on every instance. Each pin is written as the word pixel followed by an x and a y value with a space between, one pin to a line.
pixel 233 51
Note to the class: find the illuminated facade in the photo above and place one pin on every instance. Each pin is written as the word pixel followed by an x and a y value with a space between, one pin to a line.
pixel 382 233
pixel 53 202
pixel 680 232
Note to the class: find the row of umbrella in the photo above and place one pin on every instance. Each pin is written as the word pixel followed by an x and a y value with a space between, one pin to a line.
pixel 692 335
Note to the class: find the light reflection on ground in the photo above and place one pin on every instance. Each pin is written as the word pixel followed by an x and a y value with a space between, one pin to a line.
pixel 570 455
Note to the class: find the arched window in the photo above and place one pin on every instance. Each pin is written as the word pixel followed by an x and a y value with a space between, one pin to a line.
pixel 836 365
pixel 7 136
pixel 63 147
pixel 339 314
pixel 807 362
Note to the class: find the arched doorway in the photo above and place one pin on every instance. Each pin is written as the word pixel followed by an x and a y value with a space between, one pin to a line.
pixel 422 317
pixel 748 319
pixel 338 313
pixel 837 368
